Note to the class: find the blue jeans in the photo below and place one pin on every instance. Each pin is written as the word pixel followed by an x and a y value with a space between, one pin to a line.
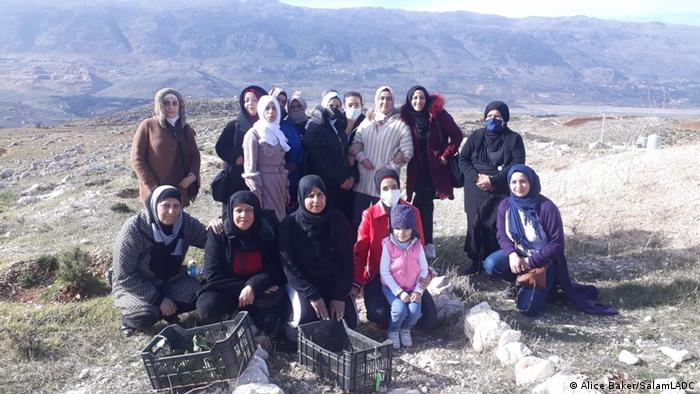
pixel 403 316
pixel 530 301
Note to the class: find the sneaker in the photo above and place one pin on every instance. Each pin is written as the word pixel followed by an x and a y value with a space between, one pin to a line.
pixel 406 339
pixel 393 336
pixel 430 251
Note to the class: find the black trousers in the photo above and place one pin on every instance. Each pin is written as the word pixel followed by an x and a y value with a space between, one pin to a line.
pixel 148 318
pixel 423 200
pixel 379 310
pixel 268 311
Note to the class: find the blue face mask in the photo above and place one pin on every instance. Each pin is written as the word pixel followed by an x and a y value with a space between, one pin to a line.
pixel 493 125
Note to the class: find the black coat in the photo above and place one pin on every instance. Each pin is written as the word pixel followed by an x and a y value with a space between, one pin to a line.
pixel 218 254
pixel 327 150
pixel 479 205
pixel 317 272
pixel 229 147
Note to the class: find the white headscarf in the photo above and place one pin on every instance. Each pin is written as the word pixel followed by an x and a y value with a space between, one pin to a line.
pixel 328 97
pixel 270 132
pixel 380 116
pixel 152 205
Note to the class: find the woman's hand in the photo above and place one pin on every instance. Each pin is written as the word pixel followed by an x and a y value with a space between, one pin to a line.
pixel 247 297
pixel 483 182
pixel 337 309
pixel 167 307
pixel 518 265
pixel 272 289
pixel 367 164
pixel 399 158
pixel 443 160
pixel 424 282
pixel 416 297
pixel 320 309
pixel 405 297
pixel 187 181
pixel 216 225
pixel 348 184
pixel 239 161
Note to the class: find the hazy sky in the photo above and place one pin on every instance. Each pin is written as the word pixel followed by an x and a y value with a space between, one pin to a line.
pixel 669 11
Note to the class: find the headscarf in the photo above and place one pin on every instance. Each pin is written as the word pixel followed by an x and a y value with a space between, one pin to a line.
pixel 162 233
pixel 311 223
pixel 159 110
pixel 420 118
pixel 330 95
pixel 379 116
pixel 270 132
pixel 382 173
pixel 258 92
pixel 250 238
pixel 528 205
pixel 494 140
pixel 299 116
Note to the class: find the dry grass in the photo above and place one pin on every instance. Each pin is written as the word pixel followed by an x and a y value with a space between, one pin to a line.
pixel 626 232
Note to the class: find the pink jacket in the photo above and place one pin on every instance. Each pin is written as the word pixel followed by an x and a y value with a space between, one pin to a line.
pixel 401 268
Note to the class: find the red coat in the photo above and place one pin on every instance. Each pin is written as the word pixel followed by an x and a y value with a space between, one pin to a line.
pixel 367 252
pixel 439 122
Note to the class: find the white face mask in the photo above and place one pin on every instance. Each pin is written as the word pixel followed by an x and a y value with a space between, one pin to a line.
pixel 353 113
pixel 390 197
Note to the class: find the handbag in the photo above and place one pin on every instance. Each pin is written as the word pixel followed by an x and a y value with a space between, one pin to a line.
pixel 535 278
pixel 219 188
pixel 456 175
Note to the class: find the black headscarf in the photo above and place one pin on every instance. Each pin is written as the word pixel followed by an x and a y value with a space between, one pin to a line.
pixel 385 173
pixel 258 92
pixel 249 239
pixel 420 118
pixel 311 223
pixel 494 141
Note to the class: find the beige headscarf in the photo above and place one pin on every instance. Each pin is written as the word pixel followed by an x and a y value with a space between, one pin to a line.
pixel 159 110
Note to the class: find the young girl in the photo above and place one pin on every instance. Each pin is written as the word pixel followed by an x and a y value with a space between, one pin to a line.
pixel 403 262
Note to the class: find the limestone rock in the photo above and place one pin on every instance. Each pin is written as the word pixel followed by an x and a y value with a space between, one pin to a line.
pixel 402 390
pixel 476 315
pixel 509 336
pixel 450 308
pixel 531 370
pixel 440 285
pixel 262 353
pixel 253 374
pixel 6 173
pixel 512 352
pixel 628 358
pixel 26 200
pixel 676 355
pixel 256 388
pixel 487 333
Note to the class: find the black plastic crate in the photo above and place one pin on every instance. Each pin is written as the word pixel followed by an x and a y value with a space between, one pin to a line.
pixel 354 362
pixel 169 367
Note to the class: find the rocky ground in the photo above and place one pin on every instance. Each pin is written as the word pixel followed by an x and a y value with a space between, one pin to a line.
pixel 630 218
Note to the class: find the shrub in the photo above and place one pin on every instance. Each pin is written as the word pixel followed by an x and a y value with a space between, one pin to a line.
pixel 74 276
pixel 24 345
pixel 38 272
pixel 120 207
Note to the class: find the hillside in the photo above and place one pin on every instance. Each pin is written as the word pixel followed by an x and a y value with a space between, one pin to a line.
pixel 62 60
pixel 631 227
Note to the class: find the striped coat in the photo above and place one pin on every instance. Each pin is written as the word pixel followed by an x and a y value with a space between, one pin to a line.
pixel 380 142
pixel 135 288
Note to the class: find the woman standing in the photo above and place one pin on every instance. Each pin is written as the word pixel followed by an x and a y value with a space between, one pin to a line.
pixel 149 282
pixel 242 267
pixel 264 148
pixel 164 151
pixel 436 137
pixel 229 147
pixel 531 235
pixel 485 160
pixel 316 248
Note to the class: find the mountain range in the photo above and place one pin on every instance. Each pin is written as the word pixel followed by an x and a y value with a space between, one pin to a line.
pixel 65 59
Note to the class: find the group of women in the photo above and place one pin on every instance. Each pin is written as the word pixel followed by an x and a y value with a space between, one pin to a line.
pixel 309 204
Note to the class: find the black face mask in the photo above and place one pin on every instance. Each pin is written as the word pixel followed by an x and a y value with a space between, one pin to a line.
pixel 334 113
